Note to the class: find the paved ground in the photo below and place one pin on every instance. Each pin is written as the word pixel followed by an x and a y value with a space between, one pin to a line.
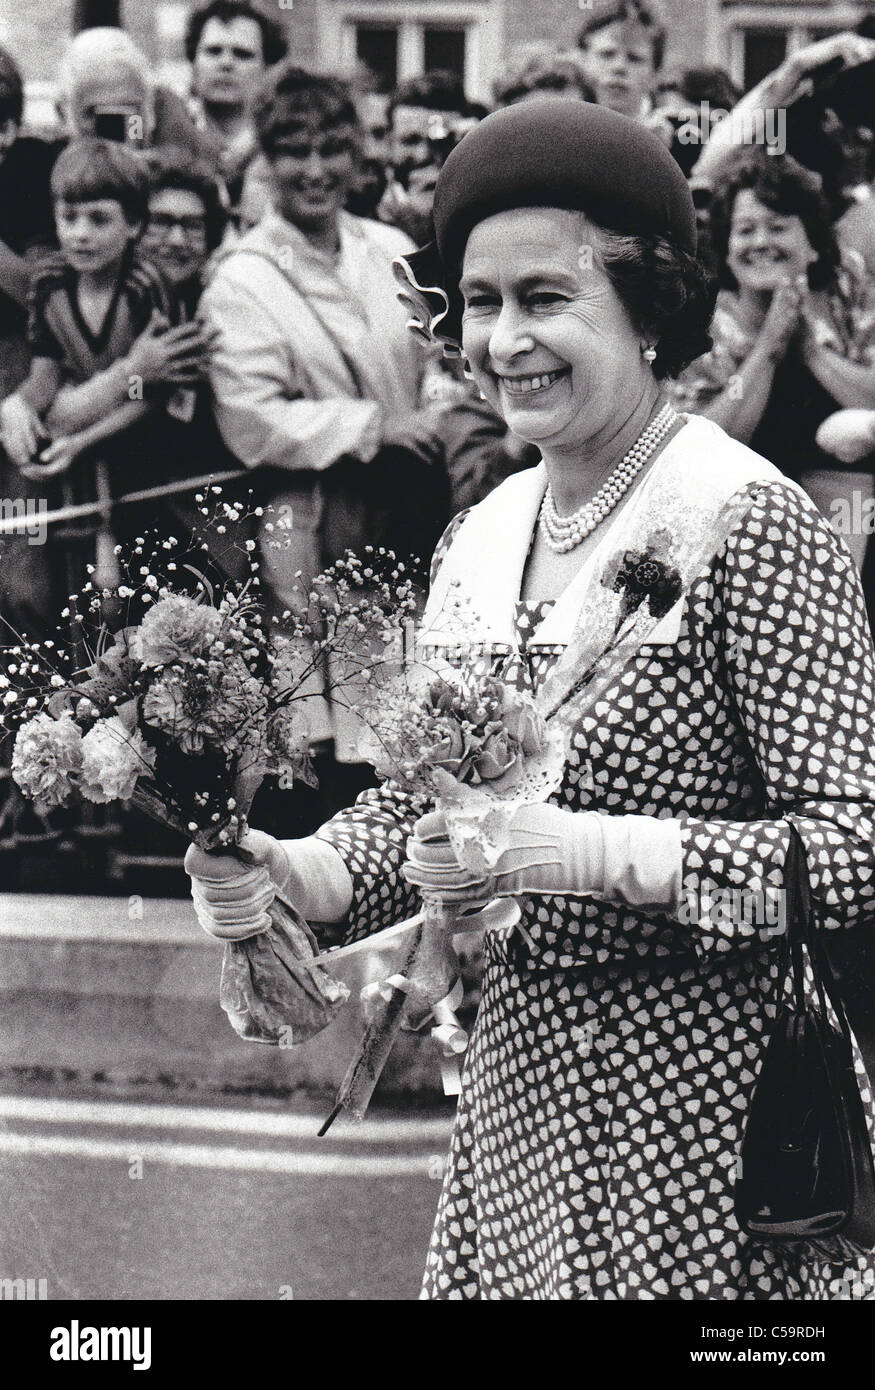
pixel 124 1201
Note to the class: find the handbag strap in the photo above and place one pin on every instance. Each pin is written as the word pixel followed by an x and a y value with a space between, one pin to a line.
pixel 804 935
pixel 280 264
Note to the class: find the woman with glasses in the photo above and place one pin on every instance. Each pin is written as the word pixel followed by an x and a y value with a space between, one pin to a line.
pixel 185 224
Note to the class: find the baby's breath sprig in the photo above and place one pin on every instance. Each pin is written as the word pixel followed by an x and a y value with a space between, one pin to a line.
pixel 193 674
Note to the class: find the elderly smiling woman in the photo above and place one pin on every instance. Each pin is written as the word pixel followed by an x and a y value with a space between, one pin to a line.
pixel 620 1031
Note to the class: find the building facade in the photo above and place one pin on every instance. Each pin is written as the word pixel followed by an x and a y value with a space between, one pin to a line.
pixel 401 38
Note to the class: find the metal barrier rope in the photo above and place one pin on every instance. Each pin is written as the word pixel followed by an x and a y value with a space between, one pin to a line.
pixel 12 525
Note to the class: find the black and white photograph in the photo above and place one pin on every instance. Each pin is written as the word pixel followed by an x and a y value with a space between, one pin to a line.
pixel 437 680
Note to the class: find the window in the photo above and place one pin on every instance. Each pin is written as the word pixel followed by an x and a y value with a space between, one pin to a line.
pixel 764 50
pixel 399 42
pixel 376 48
pixel 444 48
pixel 759 36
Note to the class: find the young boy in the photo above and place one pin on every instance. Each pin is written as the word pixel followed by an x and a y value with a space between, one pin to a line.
pixel 99 326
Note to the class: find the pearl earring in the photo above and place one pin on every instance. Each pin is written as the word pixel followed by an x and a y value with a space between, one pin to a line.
pixel 649 354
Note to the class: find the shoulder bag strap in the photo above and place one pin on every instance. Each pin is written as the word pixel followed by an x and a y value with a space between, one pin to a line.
pixel 803 934
pixel 328 331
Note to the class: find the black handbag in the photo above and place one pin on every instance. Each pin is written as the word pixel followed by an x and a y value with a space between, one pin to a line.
pixel 806 1170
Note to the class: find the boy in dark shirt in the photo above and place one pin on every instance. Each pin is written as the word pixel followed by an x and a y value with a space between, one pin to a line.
pixel 99 318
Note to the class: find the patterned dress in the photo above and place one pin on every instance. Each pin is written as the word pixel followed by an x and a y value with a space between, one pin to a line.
pixel 614 1054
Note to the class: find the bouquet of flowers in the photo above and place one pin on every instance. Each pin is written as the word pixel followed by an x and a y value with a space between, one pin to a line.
pixel 436 735
pixel 182 708
pixel 463 725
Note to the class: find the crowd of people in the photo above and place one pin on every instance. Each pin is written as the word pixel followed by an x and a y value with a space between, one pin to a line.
pixel 205 286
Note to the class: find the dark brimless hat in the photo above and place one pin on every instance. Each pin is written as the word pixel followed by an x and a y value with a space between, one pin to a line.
pixel 549 152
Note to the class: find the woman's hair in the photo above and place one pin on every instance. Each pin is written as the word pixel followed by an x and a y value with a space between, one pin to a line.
pixel 292 97
pixel 697 85
pixel 539 67
pixel 787 188
pixel 11 89
pixel 668 293
pixel 171 167
pixel 91 169
pixel 438 90
pixel 102 47
pixel 273 37
pixel 640 12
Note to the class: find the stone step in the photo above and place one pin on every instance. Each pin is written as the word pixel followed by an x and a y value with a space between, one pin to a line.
pixel 124 992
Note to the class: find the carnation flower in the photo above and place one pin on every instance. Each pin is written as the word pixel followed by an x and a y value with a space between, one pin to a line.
pixel 46 758
pixel 238 699
pixel 113 757
pixel 170 705
pixel 194 705
pixel 176 629
pixel 644 575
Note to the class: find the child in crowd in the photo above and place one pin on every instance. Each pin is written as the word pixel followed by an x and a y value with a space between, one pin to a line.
pixel 99 325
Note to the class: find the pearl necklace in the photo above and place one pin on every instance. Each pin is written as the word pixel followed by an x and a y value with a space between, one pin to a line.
pixel 563 533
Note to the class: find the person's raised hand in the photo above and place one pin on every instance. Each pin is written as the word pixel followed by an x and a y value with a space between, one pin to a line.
pixel 837 51
pixel 55 458
pixel 170 355
pixel 848 435
pixel 783 317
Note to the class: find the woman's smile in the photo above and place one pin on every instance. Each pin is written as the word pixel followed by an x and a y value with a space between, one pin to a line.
pixel 768 253
pixel 765 247
pixel 532 385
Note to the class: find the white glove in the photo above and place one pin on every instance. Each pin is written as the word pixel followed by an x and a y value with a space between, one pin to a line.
pixel 848 435
pixel 634 860
pixel 550 851
pixel 232 899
